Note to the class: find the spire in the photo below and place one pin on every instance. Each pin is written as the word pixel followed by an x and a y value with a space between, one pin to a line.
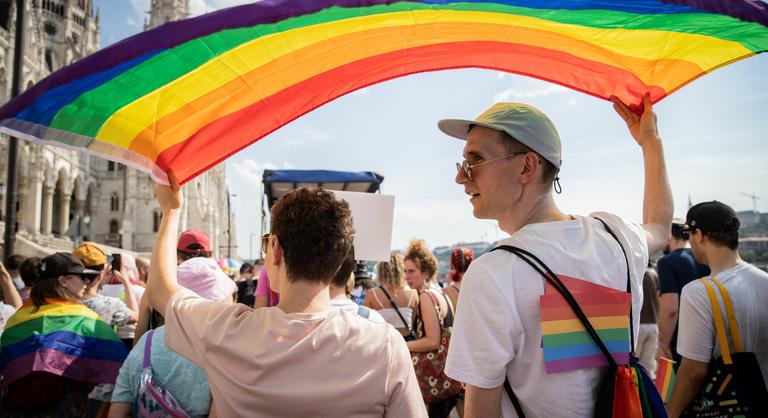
pixel 164 11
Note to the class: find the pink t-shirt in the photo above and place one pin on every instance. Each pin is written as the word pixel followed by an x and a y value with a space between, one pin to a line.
pixel 263 289
pixel 264 362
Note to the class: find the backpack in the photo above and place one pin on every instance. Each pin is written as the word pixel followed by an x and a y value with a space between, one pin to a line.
pixel 152 399
pixel 627 390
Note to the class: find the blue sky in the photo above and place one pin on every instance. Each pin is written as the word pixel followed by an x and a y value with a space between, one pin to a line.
pixel 714 133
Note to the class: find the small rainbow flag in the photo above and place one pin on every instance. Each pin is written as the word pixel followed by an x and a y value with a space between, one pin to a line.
pixel 63 338
pixel 566 343
pixel 665 377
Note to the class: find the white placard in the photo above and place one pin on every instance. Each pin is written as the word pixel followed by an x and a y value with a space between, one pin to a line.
pixel 373 215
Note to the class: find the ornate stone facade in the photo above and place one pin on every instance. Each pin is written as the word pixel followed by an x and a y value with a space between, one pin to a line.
pixel 67 196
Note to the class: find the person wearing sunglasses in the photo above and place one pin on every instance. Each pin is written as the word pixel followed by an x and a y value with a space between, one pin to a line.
pixel 302 357
pixel 54 349
pixel 512 161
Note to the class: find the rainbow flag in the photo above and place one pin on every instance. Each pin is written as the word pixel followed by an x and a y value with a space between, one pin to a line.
pixel 189 94
pixel 63 338
pixel 566 343
pixel 665 377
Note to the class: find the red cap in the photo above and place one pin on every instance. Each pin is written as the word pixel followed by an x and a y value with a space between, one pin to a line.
pixel 191 237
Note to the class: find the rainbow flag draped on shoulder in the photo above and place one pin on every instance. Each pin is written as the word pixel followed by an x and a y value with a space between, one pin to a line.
pixel 63 338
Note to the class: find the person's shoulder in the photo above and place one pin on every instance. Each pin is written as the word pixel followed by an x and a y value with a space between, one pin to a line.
pixel 693 289
pixel 757 272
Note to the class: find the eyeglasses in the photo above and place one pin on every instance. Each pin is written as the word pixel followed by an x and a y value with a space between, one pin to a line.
pixel 467 167
pixel 85 279
pixel 264 244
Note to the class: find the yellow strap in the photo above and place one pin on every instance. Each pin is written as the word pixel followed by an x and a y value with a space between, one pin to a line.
pixel 732 323
pixel 719 325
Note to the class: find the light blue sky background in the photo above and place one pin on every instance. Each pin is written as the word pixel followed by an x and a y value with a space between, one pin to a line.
pixel 714 130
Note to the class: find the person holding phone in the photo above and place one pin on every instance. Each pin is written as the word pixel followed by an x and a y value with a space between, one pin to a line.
pixel 120 283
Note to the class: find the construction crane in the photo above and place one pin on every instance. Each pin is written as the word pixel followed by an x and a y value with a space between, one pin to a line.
pixel 754 198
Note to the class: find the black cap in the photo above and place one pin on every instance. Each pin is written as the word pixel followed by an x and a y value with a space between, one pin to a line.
pixel 60 264
pixel 712 216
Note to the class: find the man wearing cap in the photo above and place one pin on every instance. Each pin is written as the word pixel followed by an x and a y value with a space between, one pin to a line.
pixel 714 237
pixel 512 160
pixel 193 243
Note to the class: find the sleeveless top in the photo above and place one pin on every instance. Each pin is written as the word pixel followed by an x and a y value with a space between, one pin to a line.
pixel 390 315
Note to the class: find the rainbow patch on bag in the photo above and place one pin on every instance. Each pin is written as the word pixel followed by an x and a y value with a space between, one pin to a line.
pixel 566 343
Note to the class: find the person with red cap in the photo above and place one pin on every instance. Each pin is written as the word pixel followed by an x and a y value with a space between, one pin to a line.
pixel 192 243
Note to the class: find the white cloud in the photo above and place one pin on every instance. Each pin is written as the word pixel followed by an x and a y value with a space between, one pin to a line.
pixel 305 137
pixel 540 89
pixel 362 92
pixel 133 22
pixel 251 171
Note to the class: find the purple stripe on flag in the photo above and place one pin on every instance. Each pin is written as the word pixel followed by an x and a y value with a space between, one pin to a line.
pixel 176 33
pixel 747 10
pixel 586 362
pixel 61 364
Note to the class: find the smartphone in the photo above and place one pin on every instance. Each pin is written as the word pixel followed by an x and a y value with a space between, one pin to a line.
pixel 116 262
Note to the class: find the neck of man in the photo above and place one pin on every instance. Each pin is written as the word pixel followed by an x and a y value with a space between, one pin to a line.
pixel 720 259
pixel 337 292
pixel 677 244
pixel 303 296
pixel 532 208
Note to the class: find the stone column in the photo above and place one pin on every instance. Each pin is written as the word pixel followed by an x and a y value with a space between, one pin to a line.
pixel 47 216
pixel 78 206
pixel 66 198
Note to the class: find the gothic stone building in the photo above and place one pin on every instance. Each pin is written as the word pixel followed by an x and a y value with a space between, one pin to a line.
pixel 67 196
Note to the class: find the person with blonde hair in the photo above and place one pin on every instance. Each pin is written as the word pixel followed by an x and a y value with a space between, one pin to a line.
pixel 434 314
pixel 392 298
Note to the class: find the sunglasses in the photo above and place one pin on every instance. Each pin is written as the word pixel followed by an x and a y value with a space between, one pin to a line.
pixel 466 167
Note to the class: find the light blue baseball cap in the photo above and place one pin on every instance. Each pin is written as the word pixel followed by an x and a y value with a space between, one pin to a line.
pixel 526 124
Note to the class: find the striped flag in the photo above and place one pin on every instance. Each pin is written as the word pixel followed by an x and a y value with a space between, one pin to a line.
pixel 566 343
pixel 62 337
pixel 665 377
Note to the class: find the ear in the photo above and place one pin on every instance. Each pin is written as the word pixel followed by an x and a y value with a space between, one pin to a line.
pixel 530 169
pixel 61 281
pixel 277 250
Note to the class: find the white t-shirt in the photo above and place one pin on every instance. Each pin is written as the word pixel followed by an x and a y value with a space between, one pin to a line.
pixel 6 311
pixel 267 363
pixel 497 332
pixel 118 291
pixel 345 303
pixel 748 288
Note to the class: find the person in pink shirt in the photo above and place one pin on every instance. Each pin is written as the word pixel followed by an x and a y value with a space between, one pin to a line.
pixel 264 295
pixel 302 357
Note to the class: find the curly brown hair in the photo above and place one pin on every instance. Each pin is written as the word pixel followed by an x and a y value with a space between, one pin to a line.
pixel 418 252
pixel 315 232
pixel 391 272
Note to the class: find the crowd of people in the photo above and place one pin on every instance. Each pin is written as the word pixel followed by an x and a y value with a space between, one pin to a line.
pixel 308 331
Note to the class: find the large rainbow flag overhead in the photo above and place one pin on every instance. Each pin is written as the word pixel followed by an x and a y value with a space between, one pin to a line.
pixel 189 94
pixel 63 338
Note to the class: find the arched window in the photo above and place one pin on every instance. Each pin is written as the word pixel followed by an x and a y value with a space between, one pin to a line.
pixel 110 166
pixel 114 202
pixel 114 227
pixel 156 218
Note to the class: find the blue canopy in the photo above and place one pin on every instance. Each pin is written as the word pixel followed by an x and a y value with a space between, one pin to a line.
pixel 277 183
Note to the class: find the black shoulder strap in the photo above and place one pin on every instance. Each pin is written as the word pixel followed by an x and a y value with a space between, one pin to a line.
pixel 553 280
pixel 394 305
pixel 629 287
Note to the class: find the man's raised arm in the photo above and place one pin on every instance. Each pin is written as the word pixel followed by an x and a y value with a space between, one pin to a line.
pixel 162 283
pixel 658 206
